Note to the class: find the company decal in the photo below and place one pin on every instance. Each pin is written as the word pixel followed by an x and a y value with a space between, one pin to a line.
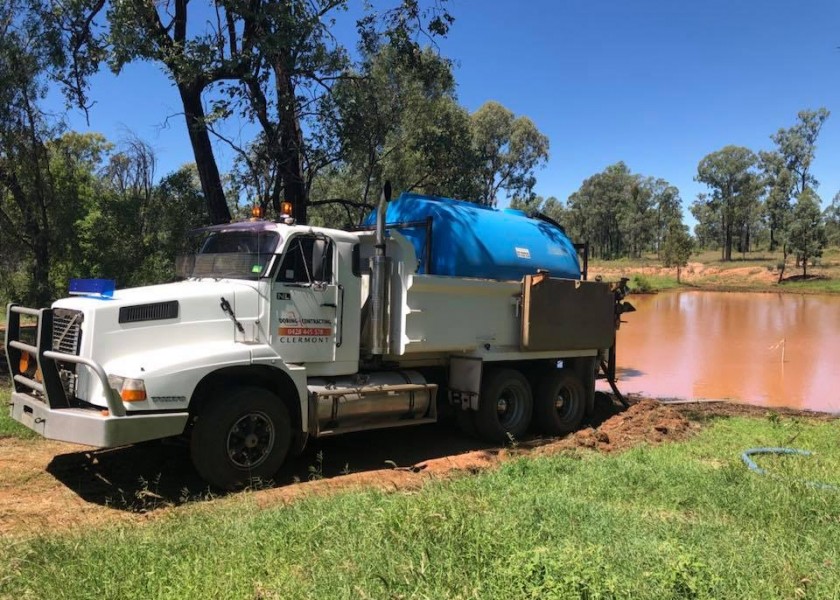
pixel 523 253
pixel 294 330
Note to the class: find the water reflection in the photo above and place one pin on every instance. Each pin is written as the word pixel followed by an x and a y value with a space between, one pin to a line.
pixel 768 349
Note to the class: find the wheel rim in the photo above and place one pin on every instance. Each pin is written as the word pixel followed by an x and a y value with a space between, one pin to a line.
pixel 250 440
pixel 510 406
pixel 564 402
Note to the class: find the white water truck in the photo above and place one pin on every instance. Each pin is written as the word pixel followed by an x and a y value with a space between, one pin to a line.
pixel 280 332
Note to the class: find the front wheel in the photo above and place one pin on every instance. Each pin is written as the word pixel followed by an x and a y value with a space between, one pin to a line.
pixel 504 406
pixel 240 437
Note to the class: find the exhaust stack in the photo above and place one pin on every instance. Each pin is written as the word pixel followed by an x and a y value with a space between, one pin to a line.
pixel 380 269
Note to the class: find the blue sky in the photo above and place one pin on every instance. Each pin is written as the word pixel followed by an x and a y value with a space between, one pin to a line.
pixel 658 84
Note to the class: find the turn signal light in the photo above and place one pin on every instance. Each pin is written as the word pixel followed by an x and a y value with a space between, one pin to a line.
pixel 130 390
pixel 132 395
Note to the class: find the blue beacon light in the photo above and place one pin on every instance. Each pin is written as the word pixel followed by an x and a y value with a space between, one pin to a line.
pixel 104 288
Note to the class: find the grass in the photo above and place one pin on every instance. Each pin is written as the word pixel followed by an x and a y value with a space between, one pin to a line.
pixel 8 426
pixel 683 520
pixel 644 284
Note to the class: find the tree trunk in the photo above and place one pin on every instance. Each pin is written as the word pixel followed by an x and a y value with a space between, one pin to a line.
pixel 291 145
pixel 727 242
pixel 41 291
pixel 205 161
pixel 784 262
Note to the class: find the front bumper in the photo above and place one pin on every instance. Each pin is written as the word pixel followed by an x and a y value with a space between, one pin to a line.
pixel 91 426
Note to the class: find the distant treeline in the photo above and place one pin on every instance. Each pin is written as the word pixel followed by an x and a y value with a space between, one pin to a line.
pixel 755 200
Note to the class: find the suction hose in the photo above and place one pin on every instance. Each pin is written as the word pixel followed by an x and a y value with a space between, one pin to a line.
pixel 747 454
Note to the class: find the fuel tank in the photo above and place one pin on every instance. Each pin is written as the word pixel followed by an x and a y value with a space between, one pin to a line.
pixel 370 400
pixel 462 239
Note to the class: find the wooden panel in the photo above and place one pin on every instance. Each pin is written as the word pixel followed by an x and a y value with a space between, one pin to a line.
pixel 566 314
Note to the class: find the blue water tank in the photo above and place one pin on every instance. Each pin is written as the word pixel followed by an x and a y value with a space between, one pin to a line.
pixel 470 240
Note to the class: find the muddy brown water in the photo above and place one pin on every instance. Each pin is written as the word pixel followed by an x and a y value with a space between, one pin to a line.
pixel 764 349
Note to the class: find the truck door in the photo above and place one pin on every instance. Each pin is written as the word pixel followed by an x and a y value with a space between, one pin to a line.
pixel 305 306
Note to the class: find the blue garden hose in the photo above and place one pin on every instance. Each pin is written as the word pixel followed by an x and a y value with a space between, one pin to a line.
pixel 754 467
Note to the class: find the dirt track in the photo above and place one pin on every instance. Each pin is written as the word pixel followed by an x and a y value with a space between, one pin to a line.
pixel 50 485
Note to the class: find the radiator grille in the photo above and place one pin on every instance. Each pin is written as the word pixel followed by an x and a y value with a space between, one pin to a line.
pixel 67 331
pixel 149 312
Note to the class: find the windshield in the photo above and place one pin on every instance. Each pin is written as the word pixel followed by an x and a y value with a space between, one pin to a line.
pixel 233 254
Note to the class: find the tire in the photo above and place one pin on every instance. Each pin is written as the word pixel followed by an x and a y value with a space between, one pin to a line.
pixel 504 407
pixel 241 436
pixel 560 402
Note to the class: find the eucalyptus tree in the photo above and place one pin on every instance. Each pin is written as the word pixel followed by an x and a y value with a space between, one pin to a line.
pixel 667 209
pixel 735 188
pixel 30 50
pixel 508 149
pixel 272 62
pixel 677 246
pixel 831 217
pixel 787 167
pixel 399 118
pixel 622 213
pixel 707 231
pixel 594 210
pixel 806 232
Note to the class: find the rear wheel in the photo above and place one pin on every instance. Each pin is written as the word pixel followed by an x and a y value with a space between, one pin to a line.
pixel 505 406
pixel 240 437
pixel 560 402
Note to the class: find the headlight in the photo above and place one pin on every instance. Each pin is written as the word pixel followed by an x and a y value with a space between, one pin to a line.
pixel 130 390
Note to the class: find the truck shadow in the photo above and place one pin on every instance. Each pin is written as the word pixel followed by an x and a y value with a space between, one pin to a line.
pixel 155 475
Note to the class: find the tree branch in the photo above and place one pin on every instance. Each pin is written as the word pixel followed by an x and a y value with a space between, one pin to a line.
pixel 342 202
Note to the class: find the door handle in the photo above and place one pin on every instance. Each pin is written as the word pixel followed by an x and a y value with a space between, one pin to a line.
pixel 329 305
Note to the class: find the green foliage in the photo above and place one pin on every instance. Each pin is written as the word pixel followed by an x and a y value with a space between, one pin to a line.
pixel 640 284
pixel 831 217
pixel 621 213
pixel 735 191
pixel 106 217
pixel 683 520
pixel 787 170
pixel 796 147
pixel 395 120
pixel 275 63
pixel 508 149
pixel 677 247
pixel 806 231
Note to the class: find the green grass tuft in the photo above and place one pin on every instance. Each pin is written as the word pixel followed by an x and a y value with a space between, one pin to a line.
pixel 8 426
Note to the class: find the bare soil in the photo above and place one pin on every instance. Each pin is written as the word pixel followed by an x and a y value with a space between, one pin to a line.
pixel 49 485
pixel 697 273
